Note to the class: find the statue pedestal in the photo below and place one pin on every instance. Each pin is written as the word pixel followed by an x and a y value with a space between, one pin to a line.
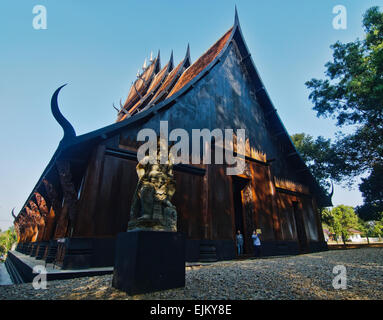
pixel 147 261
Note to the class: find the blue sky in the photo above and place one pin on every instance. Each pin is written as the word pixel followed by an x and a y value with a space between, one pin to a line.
pixel 97 46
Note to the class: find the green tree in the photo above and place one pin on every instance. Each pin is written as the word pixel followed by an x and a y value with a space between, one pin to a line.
pixel 372 192
pixel 339 220
pixel 321 158
pixel 353 95
pixel 7 239
pixel 378 229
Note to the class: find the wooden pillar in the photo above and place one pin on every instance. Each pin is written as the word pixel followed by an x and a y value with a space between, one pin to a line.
pixel 318 221
pixel 207 226
pixel 44 212
pixel 274 208
pixel 54 211
pixel 87 205
pixel 39 220
pixel 31 231
pixel 69 210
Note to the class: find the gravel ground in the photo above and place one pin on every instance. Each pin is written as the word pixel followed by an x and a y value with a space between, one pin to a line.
pixel 306 276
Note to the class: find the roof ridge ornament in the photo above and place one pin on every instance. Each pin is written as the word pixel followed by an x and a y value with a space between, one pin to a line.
pixel 171 62
pixel 236 19
pixel 187 55
pixel 69 132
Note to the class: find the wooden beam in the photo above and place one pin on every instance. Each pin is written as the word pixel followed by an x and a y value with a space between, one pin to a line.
pixel 279 133
pixel 292 154
pixel 270 112
pixel 246 57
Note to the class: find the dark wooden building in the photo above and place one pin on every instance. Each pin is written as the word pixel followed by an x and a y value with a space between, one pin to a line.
pixel 83 198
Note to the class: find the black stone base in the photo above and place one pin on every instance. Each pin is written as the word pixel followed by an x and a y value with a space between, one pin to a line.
pixel 213 250
pixel 210 250
pixel 28 248
pixel 317 246
pixel 41 250
pixel 147 261
pixel 83 253
pixel 50 252
pixel 24 264
pixel 19 247
pixel 34 249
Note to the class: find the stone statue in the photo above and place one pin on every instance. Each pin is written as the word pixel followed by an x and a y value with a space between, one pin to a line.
pixel 151 207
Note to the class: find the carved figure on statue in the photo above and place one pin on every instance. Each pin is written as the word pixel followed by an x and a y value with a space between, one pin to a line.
pixel 151 205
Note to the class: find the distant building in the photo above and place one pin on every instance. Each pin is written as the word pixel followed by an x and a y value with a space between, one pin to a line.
pixel 356 235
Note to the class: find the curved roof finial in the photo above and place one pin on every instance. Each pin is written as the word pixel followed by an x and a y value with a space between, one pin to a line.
pixel 332 190
pixel 13 213
pixel 69 132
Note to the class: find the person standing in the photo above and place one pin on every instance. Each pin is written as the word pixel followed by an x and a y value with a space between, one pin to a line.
pixel 239 242
pixel 256 244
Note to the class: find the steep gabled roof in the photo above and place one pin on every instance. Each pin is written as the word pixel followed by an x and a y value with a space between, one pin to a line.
pixel 202 63
pixel 156 83
pixel 171 80
pixel 141 84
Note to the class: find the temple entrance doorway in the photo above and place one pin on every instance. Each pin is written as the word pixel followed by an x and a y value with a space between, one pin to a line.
pixel 300 227
pixel 239 184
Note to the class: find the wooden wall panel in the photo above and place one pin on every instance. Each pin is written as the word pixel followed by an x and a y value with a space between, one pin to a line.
pixel 221 209
pixel 286 216
pixel 87 205
pixel 310 220
pixel 262 201
pixel 118 183
pixel 188 200
pixel 110 184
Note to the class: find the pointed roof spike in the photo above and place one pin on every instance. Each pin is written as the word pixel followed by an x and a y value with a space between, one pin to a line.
pixel 158 63
pixel 144 65
pixel 236 19
pixel 171 63
pixel 151 56
pixel 187 55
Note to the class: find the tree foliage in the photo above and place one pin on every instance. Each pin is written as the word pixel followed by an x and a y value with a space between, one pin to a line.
pixel 371 228
pixel 372 192
pixel 321 158
pixel 352 94
pixel 340 220
pixel 7 239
